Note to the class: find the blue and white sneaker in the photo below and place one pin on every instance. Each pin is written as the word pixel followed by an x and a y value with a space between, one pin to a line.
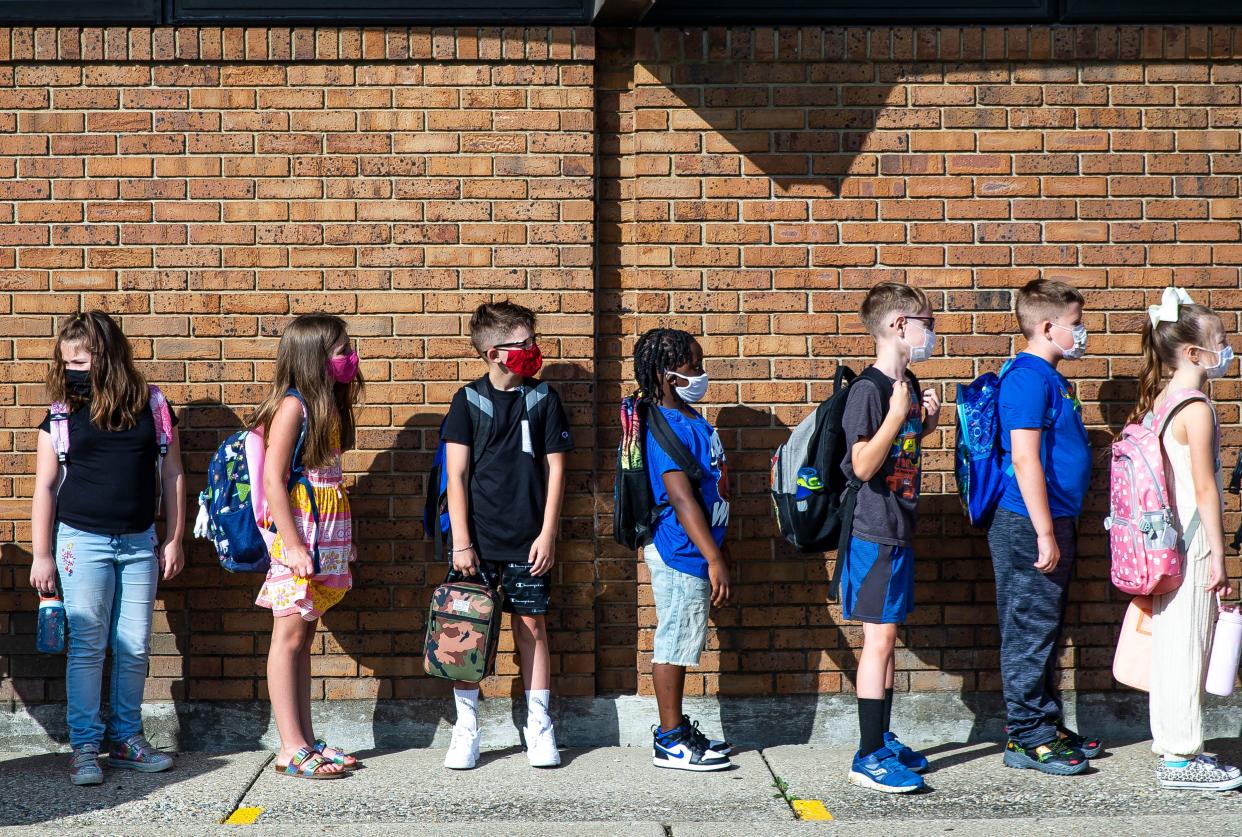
pixel 913 760
pixel 882 771
pixel 715 745
pixel 683 749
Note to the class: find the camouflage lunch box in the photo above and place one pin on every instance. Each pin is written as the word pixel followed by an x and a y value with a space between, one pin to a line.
pixel 462 631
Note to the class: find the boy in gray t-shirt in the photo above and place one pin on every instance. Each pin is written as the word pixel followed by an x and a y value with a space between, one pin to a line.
pixel 883 435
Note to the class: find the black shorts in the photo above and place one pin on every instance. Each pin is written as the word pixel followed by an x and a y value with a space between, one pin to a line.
pixel 525 594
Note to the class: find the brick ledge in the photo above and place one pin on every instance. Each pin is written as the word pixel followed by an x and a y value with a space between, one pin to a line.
pixel 271 43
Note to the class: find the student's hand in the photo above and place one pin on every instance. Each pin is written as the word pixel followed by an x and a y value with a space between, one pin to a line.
pixel 172 559
pixel 1218 581
pixel 466 562
pixel 1049 553
pixel 542 554
pixel 931 403
pixel 298 560
pixel 718 574
pixel 43 574
pixel 899 403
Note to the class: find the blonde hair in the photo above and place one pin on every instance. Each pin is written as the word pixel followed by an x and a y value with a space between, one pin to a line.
pixel 1043 299
pixel 1160 347
pixel 891 298
pixel 302 364
pixel 118 390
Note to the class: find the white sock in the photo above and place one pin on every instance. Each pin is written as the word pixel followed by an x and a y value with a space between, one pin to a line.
pixel 467 701
pixel 537 701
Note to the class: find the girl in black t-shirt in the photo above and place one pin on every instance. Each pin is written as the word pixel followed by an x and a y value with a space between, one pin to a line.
pixel 93 533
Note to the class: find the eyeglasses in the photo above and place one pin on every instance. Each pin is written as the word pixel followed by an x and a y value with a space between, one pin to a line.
pixel 524 344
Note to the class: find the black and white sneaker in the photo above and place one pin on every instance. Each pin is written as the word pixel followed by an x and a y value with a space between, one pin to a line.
pixel 716 746
pixel 683 749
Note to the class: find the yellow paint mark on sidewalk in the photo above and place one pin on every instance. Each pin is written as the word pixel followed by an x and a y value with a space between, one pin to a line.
pixel 243 816
pixel 810 809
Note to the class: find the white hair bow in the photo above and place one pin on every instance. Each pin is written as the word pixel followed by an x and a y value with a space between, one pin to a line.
pixel 1166 311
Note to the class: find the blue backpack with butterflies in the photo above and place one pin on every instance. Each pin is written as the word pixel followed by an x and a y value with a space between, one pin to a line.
pixel 227 513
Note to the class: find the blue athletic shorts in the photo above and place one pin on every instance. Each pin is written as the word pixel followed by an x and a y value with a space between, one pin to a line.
pixel 877 583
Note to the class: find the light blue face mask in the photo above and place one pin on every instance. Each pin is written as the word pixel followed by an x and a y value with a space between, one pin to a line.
pixel 1224 357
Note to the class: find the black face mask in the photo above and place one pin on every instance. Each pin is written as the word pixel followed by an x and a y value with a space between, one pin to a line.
pixel 78 381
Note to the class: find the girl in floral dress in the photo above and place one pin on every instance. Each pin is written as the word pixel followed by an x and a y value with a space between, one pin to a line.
pixel 306 419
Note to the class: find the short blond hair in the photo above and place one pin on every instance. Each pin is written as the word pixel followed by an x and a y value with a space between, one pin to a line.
pixel 1043 299
pixel 889 298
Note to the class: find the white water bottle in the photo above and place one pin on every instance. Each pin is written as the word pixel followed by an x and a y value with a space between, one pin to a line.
pixel 1226 646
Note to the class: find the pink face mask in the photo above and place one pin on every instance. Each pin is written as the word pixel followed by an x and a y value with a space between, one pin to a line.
pixel 343 368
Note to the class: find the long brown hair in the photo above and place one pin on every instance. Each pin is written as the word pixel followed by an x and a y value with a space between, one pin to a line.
pixel 302 364
pixel 1161 345
pixel 118 393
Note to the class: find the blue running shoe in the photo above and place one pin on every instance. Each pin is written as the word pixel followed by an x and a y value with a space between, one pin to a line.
pixel 682 749
pixel 914 761
pixel 882 771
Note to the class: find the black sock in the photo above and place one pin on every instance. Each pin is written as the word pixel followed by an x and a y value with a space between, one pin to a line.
pixel 888 709
pixel 870 725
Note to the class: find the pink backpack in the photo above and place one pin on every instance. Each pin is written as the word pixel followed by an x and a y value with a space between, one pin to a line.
pixel 58 426
pixel 1142 530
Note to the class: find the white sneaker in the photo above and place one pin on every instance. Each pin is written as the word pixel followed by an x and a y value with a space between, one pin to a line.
pixel 541 747
pixel 463 751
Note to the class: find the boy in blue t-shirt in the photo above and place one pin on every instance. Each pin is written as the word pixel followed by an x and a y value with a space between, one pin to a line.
pixel 685 557
pixel 1033 534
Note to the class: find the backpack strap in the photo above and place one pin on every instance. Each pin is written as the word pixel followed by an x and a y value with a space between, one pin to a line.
pixel 162 416
pixel 297 476
pixel 482 418
pixel 535 399
pixel 1159 420
pixel 58 429
pixel 667 439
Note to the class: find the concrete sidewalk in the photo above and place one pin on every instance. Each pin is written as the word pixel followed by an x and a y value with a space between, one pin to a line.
pixel 609 791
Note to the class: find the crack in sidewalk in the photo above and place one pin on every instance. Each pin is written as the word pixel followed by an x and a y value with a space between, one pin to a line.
pixel 782 787
pixel 241 795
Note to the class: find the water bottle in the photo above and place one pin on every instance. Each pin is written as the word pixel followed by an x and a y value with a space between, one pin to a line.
pixel 1226 645
pixel 808 483
pixel 50 636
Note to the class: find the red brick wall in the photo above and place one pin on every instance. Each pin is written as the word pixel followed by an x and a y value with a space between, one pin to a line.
pixel 207 185
pixel 749 185
pixel 754 184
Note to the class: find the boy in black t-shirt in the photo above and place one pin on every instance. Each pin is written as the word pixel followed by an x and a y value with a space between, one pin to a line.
pixel 504 503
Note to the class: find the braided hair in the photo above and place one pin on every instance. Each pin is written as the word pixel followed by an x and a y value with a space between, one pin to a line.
pixel 658 351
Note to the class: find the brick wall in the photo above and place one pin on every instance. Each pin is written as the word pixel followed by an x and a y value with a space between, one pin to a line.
pixel 748 185
pixel 755 182
pixel 207 185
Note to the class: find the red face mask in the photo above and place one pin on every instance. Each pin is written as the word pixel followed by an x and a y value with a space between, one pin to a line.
pixel 524 362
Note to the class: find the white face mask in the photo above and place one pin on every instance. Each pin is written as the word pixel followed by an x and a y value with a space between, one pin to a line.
pixel 695 388
pixel 927 348
pixel 1224 357
pixel 1080 341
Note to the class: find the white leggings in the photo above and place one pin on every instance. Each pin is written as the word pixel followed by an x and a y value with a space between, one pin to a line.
pixel 1182 625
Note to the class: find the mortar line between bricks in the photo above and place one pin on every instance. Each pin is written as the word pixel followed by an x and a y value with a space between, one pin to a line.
pixel 254 778
pixel 776 783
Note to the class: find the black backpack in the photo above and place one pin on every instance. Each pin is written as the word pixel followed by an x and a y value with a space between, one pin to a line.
pixel 822 518
pixel 634 510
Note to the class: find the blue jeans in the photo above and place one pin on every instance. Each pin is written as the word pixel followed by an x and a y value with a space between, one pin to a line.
pixel 1030 606
pixel 109 585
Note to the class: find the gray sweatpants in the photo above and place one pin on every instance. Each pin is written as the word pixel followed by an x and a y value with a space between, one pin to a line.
pixel 1030 606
